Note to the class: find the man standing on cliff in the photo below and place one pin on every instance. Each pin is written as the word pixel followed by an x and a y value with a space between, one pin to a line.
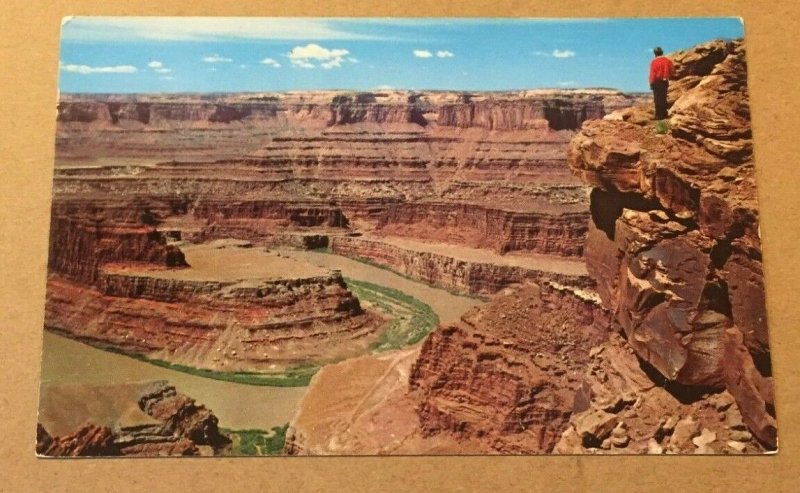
pixel 661 70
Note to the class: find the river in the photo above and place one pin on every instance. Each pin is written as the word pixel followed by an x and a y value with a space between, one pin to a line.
pixel 237 406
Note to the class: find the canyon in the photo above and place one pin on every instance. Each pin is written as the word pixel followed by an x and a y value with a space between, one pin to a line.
pixel 608 278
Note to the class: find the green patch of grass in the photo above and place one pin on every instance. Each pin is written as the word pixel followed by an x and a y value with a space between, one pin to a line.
pixel 257 442
pixel 662 127
pixel 411 319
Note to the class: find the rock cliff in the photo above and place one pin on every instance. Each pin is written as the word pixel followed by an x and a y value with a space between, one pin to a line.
pixel 674 241
pixel 84 237
pixel 469 271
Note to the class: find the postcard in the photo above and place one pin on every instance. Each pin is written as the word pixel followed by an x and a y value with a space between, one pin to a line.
pixel 356 236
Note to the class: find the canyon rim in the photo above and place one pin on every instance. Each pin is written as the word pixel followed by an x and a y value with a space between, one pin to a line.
pixel 486 244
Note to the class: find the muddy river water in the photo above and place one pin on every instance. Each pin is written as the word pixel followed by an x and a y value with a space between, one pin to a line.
pixel 237 406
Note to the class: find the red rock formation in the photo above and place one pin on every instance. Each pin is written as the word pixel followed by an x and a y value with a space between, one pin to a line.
pixel 179 426
pixel 90 440
pixel 451 271
pixel 507 372
pixel 222 325
pixel 481 226
pixel 83 238
pixel 111 283
pixel 674 239
pixel 620 408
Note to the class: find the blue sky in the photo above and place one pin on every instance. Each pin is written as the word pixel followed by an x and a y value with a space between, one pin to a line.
pixel 173 54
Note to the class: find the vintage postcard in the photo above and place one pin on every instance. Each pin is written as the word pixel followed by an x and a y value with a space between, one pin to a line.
pixel 319 236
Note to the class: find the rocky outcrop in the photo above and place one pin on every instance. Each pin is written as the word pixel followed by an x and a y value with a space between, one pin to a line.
pixel 171 424
pixel 477 273
pixel 620 408
pixel 674 240
pixel 507 372
pixel 90 440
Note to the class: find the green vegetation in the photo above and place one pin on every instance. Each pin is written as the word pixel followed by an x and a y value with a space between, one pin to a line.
pixel 257 442
pixel 662 127
pixel 297 376
pixel 410 319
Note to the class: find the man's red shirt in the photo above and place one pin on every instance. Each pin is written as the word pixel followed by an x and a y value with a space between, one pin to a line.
pixel 661 68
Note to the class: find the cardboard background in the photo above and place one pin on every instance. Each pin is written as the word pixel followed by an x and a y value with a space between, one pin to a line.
pixel 29 31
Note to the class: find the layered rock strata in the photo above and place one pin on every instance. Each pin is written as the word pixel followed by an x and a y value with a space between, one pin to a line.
pixel 507 373
pixel 674 241
pixel 465 270
pixel 119 284
pixel 333 157
pixel 151 419
pixel 484 227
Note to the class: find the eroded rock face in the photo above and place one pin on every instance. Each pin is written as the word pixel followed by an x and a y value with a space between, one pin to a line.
pixel 84 237
pixel 507 373
pixel 171 424
pixel 475 275
pixel 115 281
pixel 674 241
pixel 486 227
pixel 622 408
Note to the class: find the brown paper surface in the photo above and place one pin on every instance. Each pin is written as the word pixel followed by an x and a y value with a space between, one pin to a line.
pixel 29 41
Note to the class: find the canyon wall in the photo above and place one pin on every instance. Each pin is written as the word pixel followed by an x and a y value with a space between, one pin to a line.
pixel 493 111
pixel 449 270
pixel 83 238
pixel 674 239
pixel 481 226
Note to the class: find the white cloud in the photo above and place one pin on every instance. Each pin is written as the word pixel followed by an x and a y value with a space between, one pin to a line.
pixel 566 83
pixel 158 67
pixel 271 62
pixel 444 54
pixel 384 87
pixel 563 53
pixel 216 59
pixel 335 63
pixel 205 29
pixel 86 69
pixel 245 66
pixel 555 53
pixel 302 56
pixel 167 77
pixel 302 64
pixel 352 60
pixel 422 54
pixel 315 51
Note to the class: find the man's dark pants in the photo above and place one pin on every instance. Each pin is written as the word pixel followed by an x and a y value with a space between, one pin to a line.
pixel 660 96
